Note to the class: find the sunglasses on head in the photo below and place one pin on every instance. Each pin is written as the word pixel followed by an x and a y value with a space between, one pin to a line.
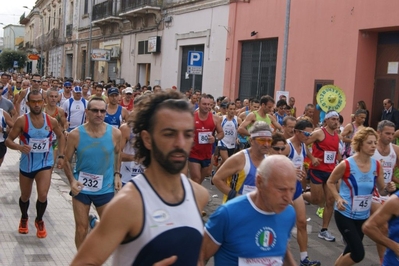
pixel 94 110
pixel 277 148
pixel 263 141
pixel 307 134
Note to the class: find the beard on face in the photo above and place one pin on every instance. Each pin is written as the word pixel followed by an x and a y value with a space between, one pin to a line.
pixel 172 167
pixel 32 110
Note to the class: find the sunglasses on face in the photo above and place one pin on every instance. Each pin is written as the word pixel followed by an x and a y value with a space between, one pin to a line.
pixel 18 82
pixel 36 81
pixel 307 134
pixel 263 141
pixel 1 87
pixel 94 110
pixel 277 148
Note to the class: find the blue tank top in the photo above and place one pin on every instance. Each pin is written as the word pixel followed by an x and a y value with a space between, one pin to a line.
pixel 280 118
pixel 390 257
pixel 40 141
pixel 114 120
pixel 357 188
pixel 95 162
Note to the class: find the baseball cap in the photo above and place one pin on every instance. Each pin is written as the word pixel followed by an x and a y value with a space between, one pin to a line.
pixel 113 91
pixel 67 84
pixel 77 89
pixel 129 90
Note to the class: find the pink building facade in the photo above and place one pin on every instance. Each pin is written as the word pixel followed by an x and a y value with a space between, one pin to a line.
pixel 352 44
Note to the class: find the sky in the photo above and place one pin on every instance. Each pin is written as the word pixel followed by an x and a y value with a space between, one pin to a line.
pixel 11 11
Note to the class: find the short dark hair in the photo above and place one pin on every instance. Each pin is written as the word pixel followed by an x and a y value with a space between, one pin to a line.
pixel 281 103
pixel 265 99
pixel 278 137
pixel 34 92
pixel 95 98
pixel 302 124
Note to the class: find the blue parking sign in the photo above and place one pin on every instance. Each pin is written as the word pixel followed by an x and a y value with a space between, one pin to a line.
pixel 195 61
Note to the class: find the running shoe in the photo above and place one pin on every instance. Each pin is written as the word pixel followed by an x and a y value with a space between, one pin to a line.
pixel 326 235
pixel 23 226
pixel 41 229
pixel 319 212
pixel 308 262
pixel 92 220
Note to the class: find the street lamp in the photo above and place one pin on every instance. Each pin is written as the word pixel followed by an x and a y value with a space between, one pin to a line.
pixel 13 46
pixel 34 10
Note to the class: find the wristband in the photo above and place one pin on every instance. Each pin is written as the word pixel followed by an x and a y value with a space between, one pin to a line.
pixel 117 173
pixel 61 156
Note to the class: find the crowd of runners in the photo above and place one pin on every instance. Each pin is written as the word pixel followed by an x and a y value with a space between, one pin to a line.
pixel 128 150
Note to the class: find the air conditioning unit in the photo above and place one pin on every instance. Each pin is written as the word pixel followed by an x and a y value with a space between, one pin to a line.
pixel 115 51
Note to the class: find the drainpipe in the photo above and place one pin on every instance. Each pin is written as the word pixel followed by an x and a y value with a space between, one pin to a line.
pixel 285 49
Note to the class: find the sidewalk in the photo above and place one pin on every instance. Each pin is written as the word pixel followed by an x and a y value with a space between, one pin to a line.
pixel 58 248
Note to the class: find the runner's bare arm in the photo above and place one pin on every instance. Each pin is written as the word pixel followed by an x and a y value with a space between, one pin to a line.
pixel 9 121
pixel 249 120
pixel 117 138
pixel 72 143
pixel 110 232
pixel 335 176
pixel 316 135
pixel 384 189
pixel 346 132
pixel 233 165
pixel 201 195
pixel 16 130
pixel 208 249
pixel 125 131
pixel 372 226
pixel 219 129
pixel 275 123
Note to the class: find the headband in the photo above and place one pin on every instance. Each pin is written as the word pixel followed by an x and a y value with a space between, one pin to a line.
pixel 331 114
pixel 261 134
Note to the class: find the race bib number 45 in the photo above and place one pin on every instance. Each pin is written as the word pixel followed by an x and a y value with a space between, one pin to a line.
pixel 361 203
pixel 91 182
pixel 39 145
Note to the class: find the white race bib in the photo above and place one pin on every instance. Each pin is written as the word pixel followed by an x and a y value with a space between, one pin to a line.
pixel 361 203
pixel 247 189
pixel 39 145
pixel 91 182
pixel 329 157
pixel 387 174
pixel 264 261
pixel 203 137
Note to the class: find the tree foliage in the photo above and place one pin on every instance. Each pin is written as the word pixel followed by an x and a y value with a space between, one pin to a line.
pixel 7 58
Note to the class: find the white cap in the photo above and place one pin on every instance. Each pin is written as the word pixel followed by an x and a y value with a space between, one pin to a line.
pixel 128 90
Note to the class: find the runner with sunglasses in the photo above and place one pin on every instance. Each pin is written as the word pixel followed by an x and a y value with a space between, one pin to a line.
pixel 326 149
pixel 237 175
pixel 296 150
pixel 23 96
pixel 35 131
pixel 94 181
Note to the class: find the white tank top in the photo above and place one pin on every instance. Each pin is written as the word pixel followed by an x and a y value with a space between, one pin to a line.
pixel 167 229
pixel 63 99
pixel 230 132
pixel 295 157
pixel 130 169
pixel 387 162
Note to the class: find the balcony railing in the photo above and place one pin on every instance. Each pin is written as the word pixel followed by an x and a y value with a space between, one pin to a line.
pixel 104 10
pixel 128 5
pixel 68 31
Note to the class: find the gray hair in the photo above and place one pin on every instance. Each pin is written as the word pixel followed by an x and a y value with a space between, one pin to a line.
pixel 51 90
pixel 384 123
pixel 274 163
pixel 259 126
